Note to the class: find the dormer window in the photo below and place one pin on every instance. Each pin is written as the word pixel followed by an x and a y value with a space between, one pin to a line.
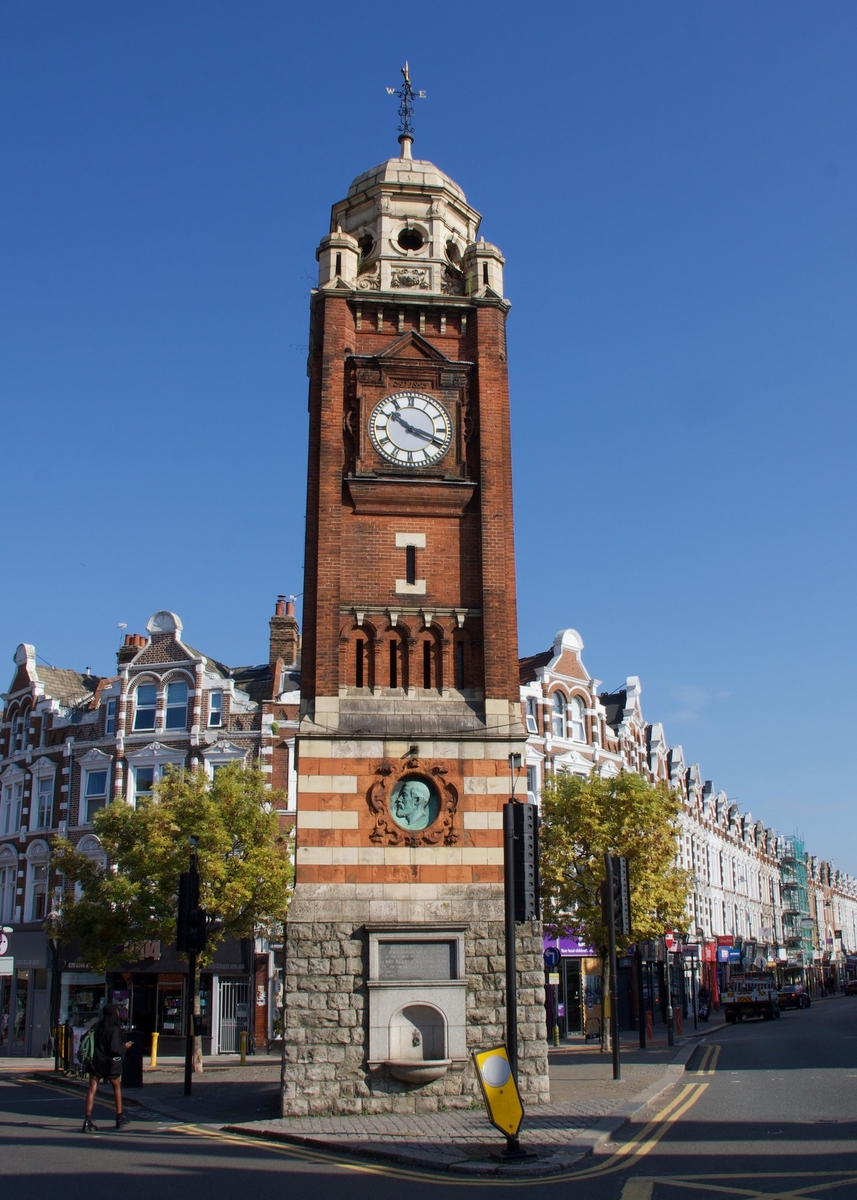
pixel 215 709
pixel 177 696
pixel 147 702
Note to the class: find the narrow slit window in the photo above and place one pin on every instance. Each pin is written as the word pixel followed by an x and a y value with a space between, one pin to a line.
pixel 359 661
pixel 338 264
pixel 459 665
pixel 394 666
pixel 426 664
pixel 411 564
pixel 485 274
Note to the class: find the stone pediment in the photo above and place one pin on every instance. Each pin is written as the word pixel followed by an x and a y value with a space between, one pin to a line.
pixel 413 345
pixel 155 751
pixel 94 756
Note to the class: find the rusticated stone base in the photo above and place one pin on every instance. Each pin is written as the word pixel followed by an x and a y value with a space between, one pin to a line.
pixel 326 998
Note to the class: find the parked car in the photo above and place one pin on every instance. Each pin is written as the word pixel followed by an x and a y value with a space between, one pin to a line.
pixel 793 995
pixel 850 988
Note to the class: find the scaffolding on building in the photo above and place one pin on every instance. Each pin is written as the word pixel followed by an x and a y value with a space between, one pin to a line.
pixel 797 918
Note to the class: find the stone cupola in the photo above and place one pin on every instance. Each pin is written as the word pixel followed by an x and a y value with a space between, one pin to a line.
pixel 406 231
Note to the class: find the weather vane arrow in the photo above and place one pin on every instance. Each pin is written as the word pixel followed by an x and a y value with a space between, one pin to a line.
pixel 406 96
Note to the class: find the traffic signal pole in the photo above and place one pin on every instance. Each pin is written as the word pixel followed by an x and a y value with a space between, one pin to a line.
pixel 189 1040
pixel 509 915
pixel 614 983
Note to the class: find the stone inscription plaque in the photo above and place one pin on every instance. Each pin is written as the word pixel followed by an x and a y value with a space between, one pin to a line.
pixel 416 960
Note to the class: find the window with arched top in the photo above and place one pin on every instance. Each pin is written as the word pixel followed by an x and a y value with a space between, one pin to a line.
pixel 145 705
pixel 38 865
pixel 394 662
pixel 178 694
pixel 8 883
pixel 578 720
pixel 429 663
pixel 558 715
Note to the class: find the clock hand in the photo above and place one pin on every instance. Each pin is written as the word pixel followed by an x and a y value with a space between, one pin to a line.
pixel 424 433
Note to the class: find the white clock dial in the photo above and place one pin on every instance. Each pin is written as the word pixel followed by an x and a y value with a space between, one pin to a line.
pixel 410 429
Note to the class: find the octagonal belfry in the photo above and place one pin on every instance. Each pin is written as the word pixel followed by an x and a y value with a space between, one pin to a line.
pixel 410 701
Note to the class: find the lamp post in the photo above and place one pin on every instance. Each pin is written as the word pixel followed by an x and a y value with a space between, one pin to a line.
pixel 53 921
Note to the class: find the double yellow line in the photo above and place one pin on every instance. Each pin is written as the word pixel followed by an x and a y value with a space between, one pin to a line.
pixel 644 1142
pixel 708 1062
pixel 630 1152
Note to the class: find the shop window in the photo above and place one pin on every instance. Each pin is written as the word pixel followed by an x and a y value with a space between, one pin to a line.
pixel 146 698
pixel 215 709
pixel 95 794
pixel 558 715
pixel 177 697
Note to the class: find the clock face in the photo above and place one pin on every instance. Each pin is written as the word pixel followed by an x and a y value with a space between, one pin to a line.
pixel 410 429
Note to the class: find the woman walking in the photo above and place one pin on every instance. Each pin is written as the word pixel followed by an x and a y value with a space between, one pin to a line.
pixel 106 1065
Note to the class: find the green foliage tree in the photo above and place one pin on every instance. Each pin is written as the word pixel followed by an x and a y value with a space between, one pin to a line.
pixel 245 866
pixel 583 818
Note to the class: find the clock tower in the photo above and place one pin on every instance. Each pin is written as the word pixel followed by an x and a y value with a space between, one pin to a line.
pixel 410 696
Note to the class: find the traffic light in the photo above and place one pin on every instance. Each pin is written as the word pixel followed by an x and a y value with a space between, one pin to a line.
pixel 527 881
pixel 191 923
pixel 617 907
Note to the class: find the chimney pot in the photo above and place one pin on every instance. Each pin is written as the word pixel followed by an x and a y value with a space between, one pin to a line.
pixel 290 608
pixel 280 608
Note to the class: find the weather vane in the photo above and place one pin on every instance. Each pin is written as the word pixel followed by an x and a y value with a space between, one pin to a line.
pixel 407 96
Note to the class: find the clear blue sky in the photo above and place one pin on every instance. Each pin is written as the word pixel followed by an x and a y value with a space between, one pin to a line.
pixel 673 186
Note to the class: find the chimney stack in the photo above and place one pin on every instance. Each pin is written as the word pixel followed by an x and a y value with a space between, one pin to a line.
pixel 284 633
pixel 133 644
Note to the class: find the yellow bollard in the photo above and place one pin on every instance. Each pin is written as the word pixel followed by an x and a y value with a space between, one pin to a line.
pixel 243 1047
pixel 155 1037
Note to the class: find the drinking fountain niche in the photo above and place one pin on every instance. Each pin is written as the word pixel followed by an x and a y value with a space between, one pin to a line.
pixel 416 1000
pixel 417 1043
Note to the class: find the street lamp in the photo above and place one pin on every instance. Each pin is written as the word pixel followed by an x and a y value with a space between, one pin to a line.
pixel 53 921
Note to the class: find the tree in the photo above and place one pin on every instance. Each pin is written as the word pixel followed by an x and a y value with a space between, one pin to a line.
pixel 585 817
pixel 245 867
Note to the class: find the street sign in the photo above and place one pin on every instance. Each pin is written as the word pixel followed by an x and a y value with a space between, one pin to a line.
pixel 669 939
pixel 553 979
pixel 499 1090
pixel 551 957
pixel 4 943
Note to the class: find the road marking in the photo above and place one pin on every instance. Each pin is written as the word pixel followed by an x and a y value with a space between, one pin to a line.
pixel 708 1062
pixel 638 1189
pixel 645 1141
pixel 644 1186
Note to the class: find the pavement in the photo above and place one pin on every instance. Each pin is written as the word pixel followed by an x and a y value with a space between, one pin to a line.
pixel 587 1108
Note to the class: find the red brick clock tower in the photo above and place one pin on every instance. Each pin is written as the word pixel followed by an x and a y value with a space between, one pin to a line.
pixel 410 704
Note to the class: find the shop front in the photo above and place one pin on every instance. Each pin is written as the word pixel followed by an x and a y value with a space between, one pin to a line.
pixel 25 995
pixel 572 988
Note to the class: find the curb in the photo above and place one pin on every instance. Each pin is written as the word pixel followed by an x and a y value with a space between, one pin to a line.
pixel 586 1143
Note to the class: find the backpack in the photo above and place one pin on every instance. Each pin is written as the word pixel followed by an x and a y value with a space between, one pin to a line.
pixel 86 1047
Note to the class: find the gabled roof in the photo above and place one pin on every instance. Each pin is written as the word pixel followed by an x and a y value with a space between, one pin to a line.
pixel 527 667
pixel 69 687
pixel 614 706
